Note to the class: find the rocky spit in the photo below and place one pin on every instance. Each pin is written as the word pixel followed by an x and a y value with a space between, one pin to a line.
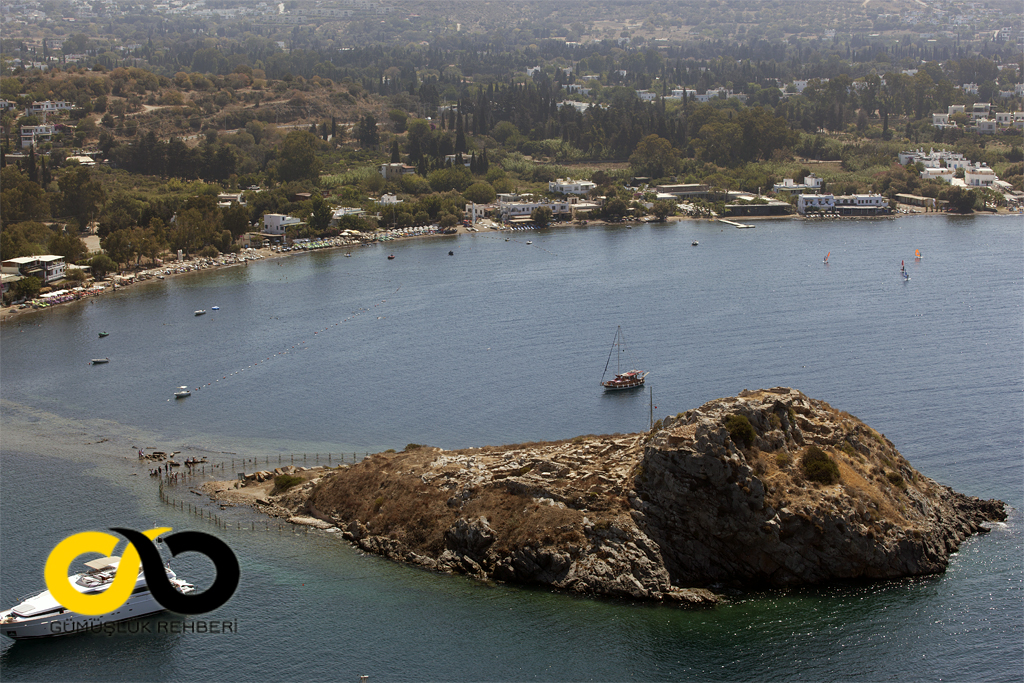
pixel 706 500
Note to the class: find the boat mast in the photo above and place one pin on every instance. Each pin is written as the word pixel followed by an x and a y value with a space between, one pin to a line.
pixel 610 351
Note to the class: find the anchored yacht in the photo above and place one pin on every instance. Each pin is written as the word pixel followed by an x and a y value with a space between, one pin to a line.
pixel 41 616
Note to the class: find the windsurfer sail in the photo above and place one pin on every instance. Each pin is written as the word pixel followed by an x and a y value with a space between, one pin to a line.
pixel 917 254
pixel 903 271
pixel 826 258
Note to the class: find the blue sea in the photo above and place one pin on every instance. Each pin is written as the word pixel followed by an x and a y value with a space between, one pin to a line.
pixel 318 357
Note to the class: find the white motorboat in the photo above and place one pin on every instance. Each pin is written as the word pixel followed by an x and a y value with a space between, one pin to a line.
pixel 41 616
pixel 201 311
pixel 182 392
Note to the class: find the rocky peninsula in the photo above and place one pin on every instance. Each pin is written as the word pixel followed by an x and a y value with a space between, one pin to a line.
pixel 769 488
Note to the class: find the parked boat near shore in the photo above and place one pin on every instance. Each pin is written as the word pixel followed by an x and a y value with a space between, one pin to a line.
pixel 41 616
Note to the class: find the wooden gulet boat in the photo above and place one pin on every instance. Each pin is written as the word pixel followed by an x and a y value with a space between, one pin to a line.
pixel 630 379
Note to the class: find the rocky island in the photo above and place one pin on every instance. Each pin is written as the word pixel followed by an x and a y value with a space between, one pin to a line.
pixel 769 488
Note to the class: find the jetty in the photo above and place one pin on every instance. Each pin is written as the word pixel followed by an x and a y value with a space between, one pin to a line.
pixel 734 223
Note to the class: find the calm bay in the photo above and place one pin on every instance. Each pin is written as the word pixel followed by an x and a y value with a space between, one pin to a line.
pixel 505 342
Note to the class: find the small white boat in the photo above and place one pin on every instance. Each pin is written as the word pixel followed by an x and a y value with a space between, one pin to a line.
pixel 98 361
pixel 201 311
pixel 182 392
pixel 529 241
pixel 694 243
pixel 214 308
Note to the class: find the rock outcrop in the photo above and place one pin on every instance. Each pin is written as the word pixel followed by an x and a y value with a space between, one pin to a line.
pixel 769 488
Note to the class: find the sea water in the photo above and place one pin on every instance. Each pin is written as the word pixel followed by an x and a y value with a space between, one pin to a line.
pixel 505 342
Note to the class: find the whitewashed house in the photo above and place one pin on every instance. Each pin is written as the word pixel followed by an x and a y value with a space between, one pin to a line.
pixel 278 223
pixel 569 186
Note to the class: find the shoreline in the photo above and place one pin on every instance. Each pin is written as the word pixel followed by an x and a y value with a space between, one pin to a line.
pixel 176 269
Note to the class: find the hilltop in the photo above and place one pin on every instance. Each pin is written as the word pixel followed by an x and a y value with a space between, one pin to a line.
pixel 766 489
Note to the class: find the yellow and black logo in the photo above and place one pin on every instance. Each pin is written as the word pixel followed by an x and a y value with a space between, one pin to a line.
pixel 141 550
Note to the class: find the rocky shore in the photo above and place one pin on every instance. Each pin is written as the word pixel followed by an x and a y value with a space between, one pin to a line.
pixel 766 489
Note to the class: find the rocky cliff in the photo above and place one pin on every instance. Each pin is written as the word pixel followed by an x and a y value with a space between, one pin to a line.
pixel 768 488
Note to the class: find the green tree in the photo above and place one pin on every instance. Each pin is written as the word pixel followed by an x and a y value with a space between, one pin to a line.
pixel 27 287
pixel 120 213
pixel 366 131
pixel 20 198
pixel 71 247
pixel 615 208
pixel 480 193
pixel 118 246
pixel 101 264
pixel 83 195
pixel 416 138
pixel 320 219
pixel 454 178
pixel 297 157
pixel 236 219
pixel 654 157
pixel 961 200
pixel 663 208
pixel 541 216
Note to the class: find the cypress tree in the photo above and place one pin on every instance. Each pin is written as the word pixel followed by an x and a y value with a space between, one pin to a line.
pixel 460 136
pixel 31 170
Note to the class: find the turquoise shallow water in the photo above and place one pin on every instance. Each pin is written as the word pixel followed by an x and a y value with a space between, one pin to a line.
pixel 505 342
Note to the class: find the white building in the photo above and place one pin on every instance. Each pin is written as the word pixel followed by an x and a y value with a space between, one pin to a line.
pixel 938 173
pixel 278 223
pixel 935 159
pixel 47 268
pixel 847 205
pixel 646 95
pixel 985 126
pixel 815 203
pixel 980 110
pixel 577 89
pixel 861 203
pixel 510 206
pixel 979 176
pixel 343 211
pixel 389 171
pixel 33 135
pixel 811 183
pixel 50 107
pixel 569 186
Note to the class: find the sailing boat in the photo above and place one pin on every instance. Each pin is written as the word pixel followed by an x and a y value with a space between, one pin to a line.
pixel 903 271
pixel 917 254
pixel 631 379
